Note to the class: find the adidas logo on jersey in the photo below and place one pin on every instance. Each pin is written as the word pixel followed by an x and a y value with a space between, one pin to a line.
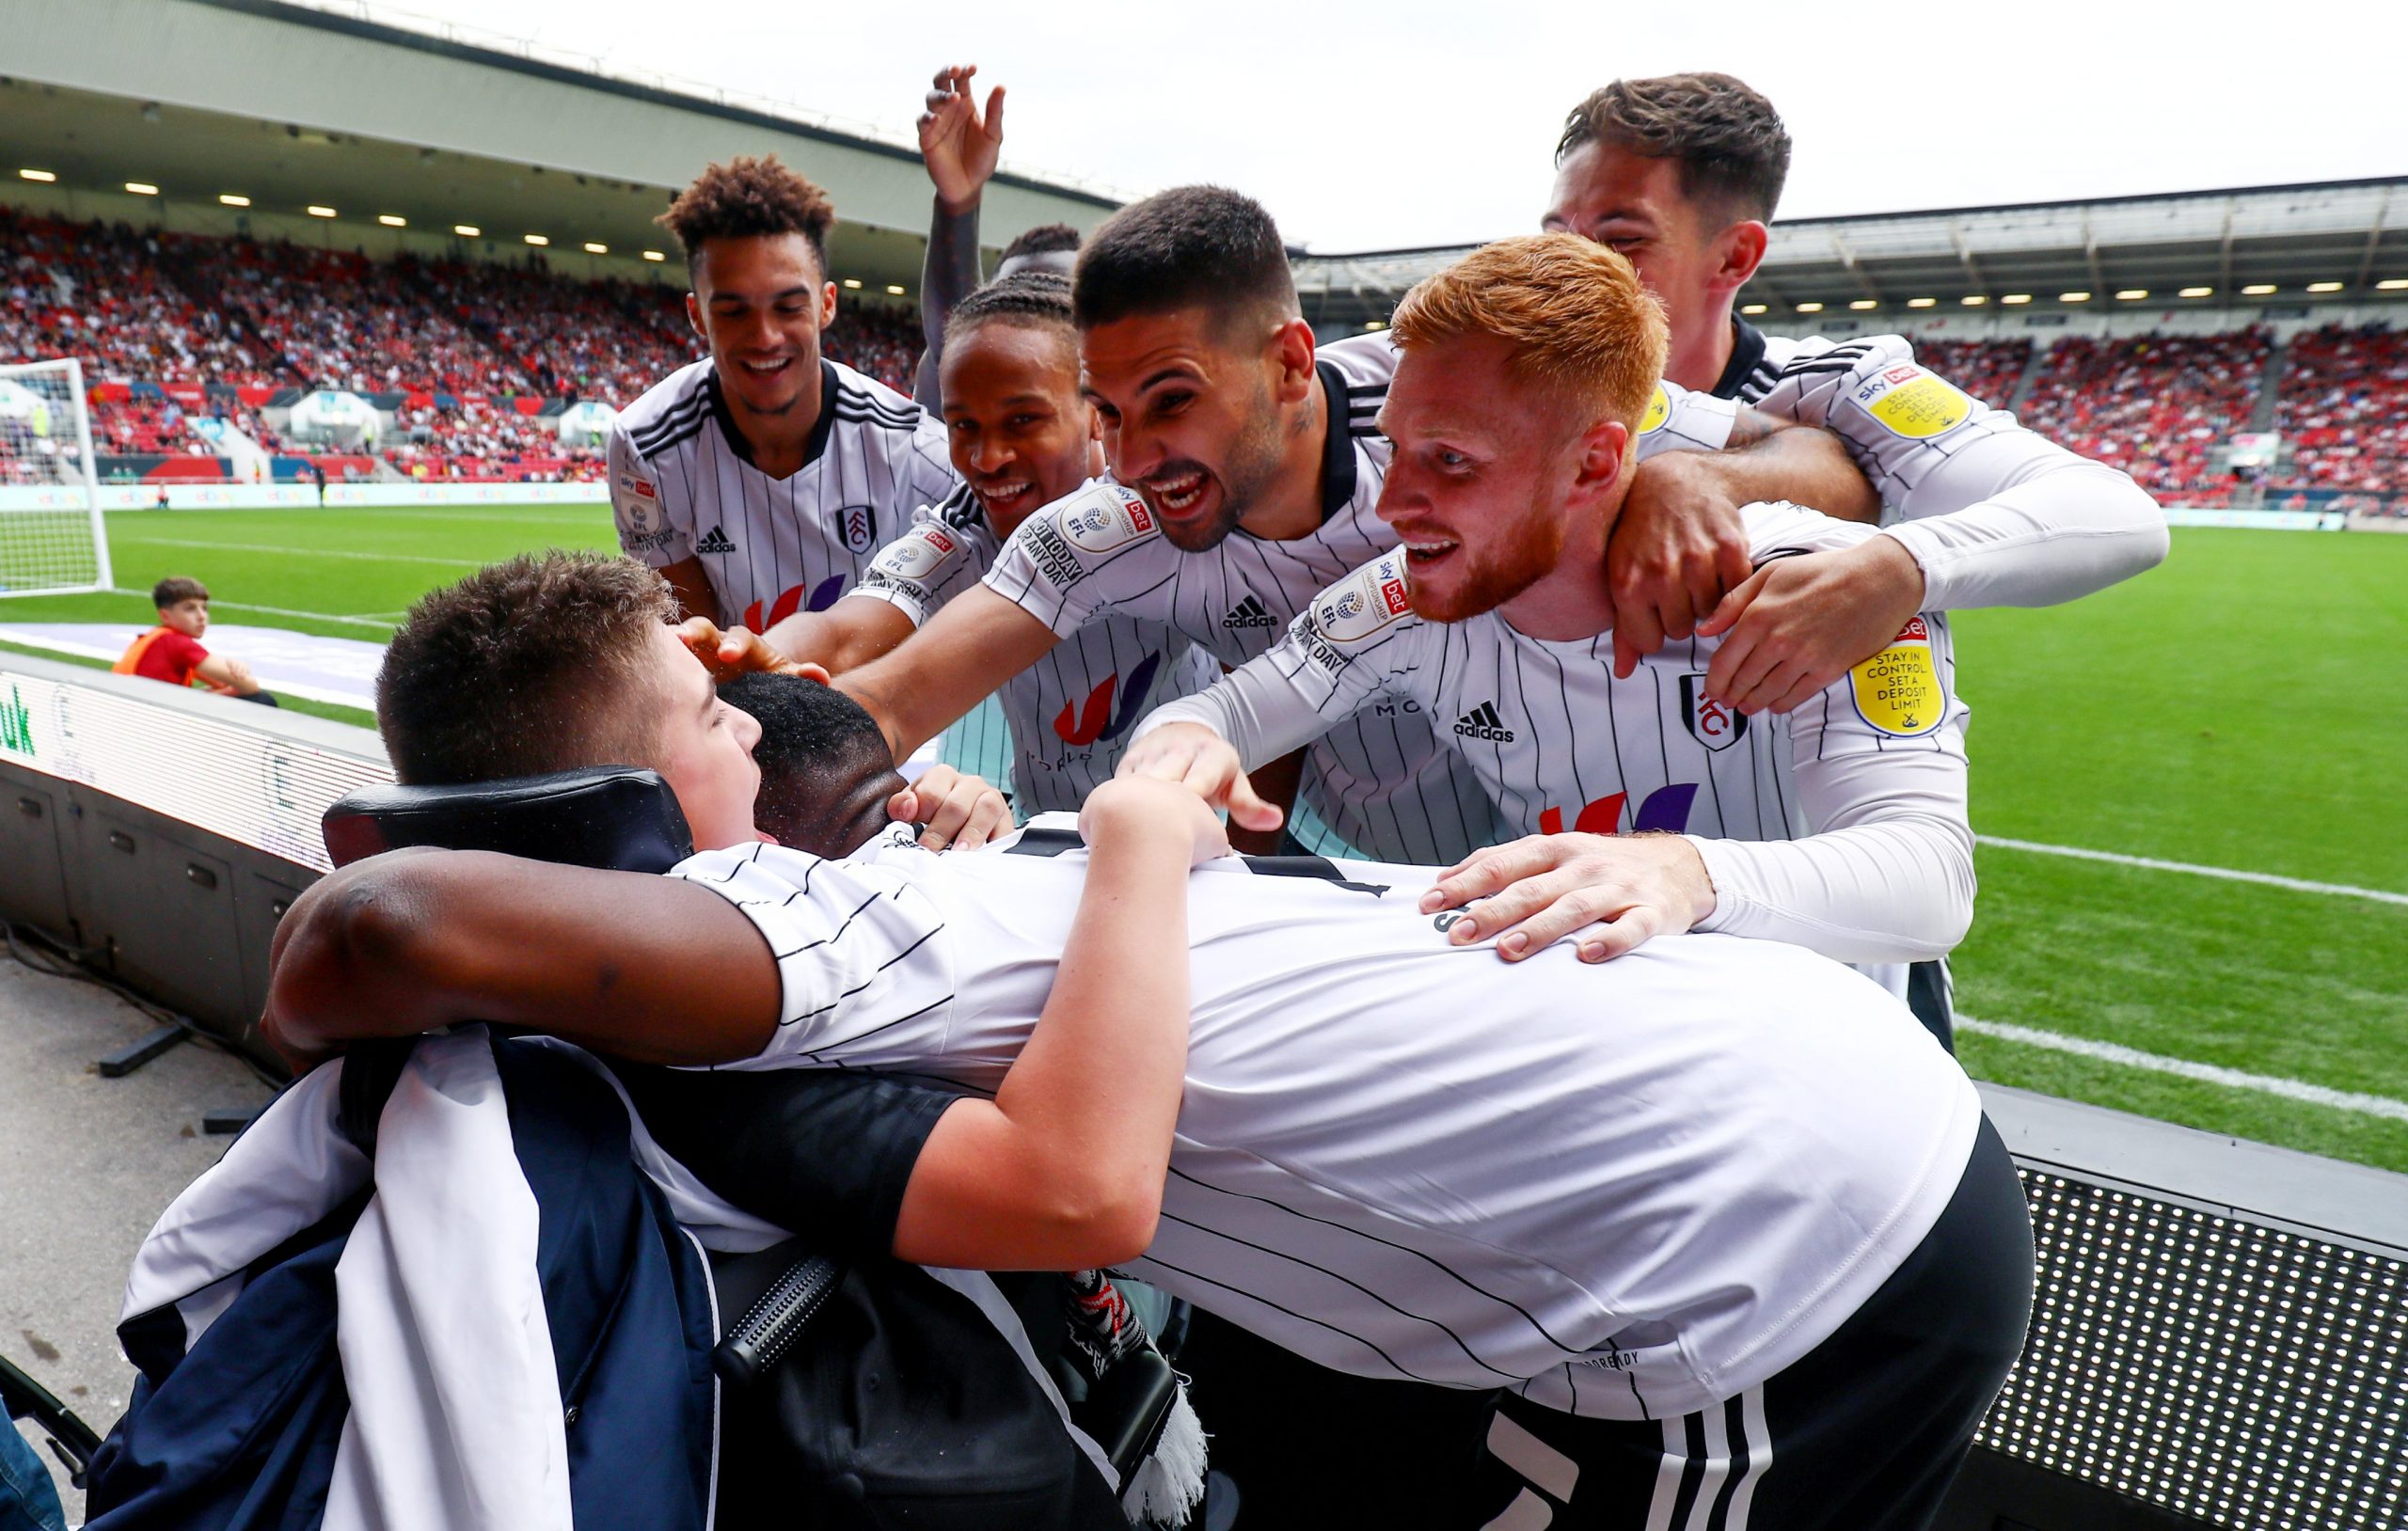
pixel 1482 722
pixel 715 540
pixel 1248 613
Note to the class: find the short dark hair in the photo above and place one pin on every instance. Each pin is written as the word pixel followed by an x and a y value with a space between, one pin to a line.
pixel 1036 299
pixel 1190 247
pixel 1732 146
pixel 531 665
pixel 748 196
pixel 1045 239
pixel 807 728
pixel 174 588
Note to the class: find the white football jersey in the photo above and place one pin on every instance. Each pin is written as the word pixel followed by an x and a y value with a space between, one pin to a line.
pixel 1071 714
pixel 1559 742
pixel 682 485
pixel 1627 1189
pixel 1382 780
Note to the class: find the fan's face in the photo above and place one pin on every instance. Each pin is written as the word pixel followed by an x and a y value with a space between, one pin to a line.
pixel 704 748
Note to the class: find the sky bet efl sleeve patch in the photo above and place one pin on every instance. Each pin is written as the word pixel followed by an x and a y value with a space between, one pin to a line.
pixel 1897 691
pixel 1910 403
pixel 919 557
pixel 1105 517
pixel 1364 602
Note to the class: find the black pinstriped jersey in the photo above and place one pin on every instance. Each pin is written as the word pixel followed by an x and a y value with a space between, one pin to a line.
pixel 682 485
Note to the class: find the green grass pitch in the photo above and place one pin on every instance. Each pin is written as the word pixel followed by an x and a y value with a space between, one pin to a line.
pixel 2243 707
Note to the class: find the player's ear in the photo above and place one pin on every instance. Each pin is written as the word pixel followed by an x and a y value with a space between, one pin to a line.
pixel 1291 351
pixel 694 317
pixel 827 303
pixel 1738 251
pixel 1605 449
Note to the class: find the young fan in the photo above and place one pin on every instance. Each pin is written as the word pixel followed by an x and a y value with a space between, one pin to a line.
pixel 1718 1191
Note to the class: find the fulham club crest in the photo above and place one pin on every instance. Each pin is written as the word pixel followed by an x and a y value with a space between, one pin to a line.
pixel 1714 724
pixel 860 529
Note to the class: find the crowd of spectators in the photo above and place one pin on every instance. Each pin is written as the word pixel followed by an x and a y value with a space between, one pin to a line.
pixel 142 305
pixel 128 426
pixel 885 343
pixel 103 295
pixel 608 340
pixel 342 320
pixel 477 440
pixel 150 306
pixel 1991 371
pixel 2344 409
pixel 2154 406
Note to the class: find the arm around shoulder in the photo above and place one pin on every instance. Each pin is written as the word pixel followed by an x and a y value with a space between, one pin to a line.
pixel 649 967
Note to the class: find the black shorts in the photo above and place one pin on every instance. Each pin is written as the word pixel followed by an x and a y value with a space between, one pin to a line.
pixel 1863 1434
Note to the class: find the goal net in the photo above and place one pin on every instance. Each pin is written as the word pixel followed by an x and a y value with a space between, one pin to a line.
pixel 51 536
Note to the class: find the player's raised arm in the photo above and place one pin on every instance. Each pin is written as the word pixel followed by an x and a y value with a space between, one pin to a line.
pixel 976 644
pixel 1679 545
pixel 1985 513
pixel 960 145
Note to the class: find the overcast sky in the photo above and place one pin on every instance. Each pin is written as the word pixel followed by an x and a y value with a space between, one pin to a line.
pixel 1371 126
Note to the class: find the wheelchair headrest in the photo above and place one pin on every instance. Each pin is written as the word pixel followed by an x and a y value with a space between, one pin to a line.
pixel 619 818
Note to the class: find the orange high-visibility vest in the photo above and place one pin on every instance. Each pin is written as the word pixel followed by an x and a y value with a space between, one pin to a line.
pixel 135 650
pixel 140 646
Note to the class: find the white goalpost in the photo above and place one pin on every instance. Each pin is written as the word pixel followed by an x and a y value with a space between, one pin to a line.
pixel 51 538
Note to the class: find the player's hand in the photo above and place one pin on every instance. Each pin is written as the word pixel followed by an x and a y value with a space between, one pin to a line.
pixel 959 145
pixel 1797 624
pixel 738 650
pixel 1607 892
pixel 1205 763
pixel 1678 544
pixel 1149 803
pixel 953 807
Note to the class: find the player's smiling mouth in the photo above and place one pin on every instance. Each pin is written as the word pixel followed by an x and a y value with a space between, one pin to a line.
pixel 1176 496
pixel 770 368
pixel 1425 551
pixel 1007 493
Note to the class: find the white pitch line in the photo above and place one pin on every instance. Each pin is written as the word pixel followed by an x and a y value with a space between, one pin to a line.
pixel 298 552
pixel 2297 885
pixel 215 602
pixel 2083 1047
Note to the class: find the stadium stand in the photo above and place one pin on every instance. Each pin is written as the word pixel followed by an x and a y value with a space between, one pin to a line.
pixel 471 360
pixel 1991 371
pixel 2344 406
pixel 2155 405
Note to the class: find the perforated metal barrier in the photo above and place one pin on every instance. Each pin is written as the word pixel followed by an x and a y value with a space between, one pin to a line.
pixel 2242 1368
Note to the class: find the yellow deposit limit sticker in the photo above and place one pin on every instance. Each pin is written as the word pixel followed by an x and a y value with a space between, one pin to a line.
pixel 1659 409
pixel 1922 406
pixel 1898 689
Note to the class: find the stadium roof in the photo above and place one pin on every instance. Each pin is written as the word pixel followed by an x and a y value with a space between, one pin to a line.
pixel 2336 241
pixel 293 109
